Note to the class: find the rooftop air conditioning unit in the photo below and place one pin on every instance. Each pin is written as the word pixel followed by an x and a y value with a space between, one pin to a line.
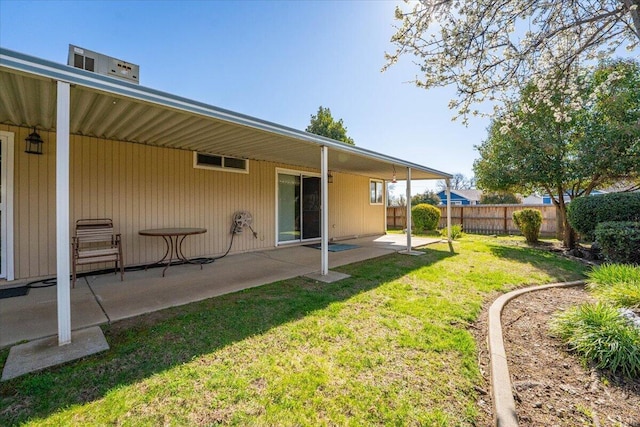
pixel 103 64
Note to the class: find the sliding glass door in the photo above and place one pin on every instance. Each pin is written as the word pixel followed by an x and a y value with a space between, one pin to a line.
pixel 288 208
pixel 298 207
pixel 310 207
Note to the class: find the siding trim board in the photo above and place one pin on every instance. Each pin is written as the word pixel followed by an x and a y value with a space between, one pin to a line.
pixel 7 246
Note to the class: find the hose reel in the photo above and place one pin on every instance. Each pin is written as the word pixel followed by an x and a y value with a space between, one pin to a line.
pixel 242 219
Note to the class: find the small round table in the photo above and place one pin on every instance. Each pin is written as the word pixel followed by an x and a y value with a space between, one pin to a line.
pixel 173 238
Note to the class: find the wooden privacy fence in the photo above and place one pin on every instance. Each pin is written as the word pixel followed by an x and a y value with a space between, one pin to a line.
pixel 397 217
pixel 484 219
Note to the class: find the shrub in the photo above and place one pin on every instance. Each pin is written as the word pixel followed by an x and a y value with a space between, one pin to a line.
pixel 620 241
pixel 528 222
pixel 616 284
pixel 425 217
pixel 585 213
pixel 599 334
pixel 456 231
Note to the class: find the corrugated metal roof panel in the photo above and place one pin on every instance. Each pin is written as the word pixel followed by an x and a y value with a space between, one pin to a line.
pixel 107 108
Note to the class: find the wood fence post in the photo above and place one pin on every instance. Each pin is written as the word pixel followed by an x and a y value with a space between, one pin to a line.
pixel 505 221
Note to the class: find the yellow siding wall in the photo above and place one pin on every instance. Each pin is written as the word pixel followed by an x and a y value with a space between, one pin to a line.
pixel 34 211
pixel 141 186
pixel 350 213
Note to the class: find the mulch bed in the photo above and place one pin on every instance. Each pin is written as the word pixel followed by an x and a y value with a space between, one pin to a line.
pixel 552 386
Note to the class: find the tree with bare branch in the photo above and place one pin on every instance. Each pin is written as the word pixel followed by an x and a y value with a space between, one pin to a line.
pixel 457 182
pixel 490 49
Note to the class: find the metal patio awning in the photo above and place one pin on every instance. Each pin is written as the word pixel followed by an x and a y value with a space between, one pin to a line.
pixel 70 101
pixel 106 107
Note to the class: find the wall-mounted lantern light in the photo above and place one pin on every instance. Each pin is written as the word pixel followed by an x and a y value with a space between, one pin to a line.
pixel 394 178
pixel 33 143
pixel 330 178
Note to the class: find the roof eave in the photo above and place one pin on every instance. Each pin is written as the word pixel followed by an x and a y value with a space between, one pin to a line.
pixel 51 70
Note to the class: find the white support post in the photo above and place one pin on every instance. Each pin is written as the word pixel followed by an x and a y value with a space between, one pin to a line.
pixel 386 205
pixel 408 210
pixel 448 182
pixel 63 243
pixel 324 204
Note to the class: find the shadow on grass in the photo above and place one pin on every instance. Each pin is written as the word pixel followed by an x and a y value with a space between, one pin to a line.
pixel 540 257
pixel 152 343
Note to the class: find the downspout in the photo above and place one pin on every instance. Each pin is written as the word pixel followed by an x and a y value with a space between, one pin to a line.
pixel 324 208
pixel 408 210
pixel 62 214
pixel 448 183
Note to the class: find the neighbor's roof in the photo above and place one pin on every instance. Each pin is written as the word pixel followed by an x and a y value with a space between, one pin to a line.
pixel 472 195
pixel 106 107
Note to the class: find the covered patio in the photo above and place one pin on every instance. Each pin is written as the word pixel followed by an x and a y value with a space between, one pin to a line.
pixel 102 299
pixel 118 150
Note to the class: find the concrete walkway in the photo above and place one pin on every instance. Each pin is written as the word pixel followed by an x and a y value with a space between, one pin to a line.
pixel 101 299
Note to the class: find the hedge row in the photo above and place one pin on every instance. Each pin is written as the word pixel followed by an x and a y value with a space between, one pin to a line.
pixel 620 241
pixel 585 213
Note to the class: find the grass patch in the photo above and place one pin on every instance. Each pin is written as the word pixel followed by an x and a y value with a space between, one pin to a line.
pixel 599 334
pixel 388 346
pixel 616 284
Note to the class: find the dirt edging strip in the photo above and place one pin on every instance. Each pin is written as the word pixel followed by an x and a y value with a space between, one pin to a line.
pixel 504 406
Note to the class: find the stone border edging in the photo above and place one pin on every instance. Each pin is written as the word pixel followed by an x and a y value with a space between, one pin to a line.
pixel 504 406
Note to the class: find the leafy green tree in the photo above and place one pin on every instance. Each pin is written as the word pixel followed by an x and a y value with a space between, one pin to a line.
pixel 569 143
pixel 429 197
pixel 499 198
pixel 323 124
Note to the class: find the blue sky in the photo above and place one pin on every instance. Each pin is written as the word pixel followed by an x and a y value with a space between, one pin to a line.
pixel 277 61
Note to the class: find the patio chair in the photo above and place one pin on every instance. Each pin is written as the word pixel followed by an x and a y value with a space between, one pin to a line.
pixel 95 241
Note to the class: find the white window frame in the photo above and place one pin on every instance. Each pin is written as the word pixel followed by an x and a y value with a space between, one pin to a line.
pixel 222 168
pixel 381 194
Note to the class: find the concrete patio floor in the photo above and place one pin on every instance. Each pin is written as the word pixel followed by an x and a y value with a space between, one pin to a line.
pixel 102 299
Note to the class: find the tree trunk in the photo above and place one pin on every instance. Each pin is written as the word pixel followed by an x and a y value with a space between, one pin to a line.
pixel 569 235
pixel 559 224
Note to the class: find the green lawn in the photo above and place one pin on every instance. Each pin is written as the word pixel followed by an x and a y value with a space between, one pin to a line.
pixel 389 346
